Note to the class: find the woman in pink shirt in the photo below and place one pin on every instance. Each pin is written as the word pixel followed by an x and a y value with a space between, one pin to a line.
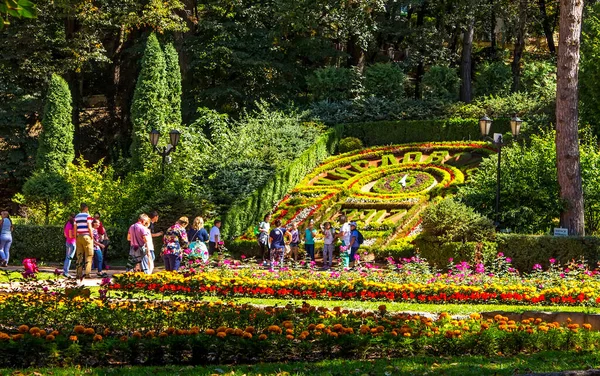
pixel 71 238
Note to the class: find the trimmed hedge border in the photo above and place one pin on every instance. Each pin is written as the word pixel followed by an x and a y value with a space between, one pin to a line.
pixel 250 211
pixel 407 131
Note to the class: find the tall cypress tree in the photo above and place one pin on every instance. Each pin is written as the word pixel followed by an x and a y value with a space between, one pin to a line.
pixel 148 108
pixel 55 150
pixel 173 79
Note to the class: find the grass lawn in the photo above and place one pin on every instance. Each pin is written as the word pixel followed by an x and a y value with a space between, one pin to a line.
pixel 460 366
pixel 6 276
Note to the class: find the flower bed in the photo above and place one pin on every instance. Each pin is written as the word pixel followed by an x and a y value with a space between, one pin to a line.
pixel 51 330
pixel 409 281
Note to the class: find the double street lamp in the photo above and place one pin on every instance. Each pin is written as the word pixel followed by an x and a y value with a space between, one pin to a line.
pixel 485 125
pixel 174 136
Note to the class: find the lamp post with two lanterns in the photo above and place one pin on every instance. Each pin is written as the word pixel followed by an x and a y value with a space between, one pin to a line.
pixel 174 136
pixel 485 125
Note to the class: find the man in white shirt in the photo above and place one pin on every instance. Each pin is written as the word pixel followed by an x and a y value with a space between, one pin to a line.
pixel 214 238
pixel 345 231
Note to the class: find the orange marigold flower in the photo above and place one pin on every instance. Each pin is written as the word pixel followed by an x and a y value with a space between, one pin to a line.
pixel 137 335
pixel 150 334
pixel 164 334
pixel 311 327
pixel 238 332
pixel 289 337
pixel 170 330
pixel 23 329
pixel 320 327
pixel 407 334
pixel 229 331
pixel 97 338
pixel 249 329
pixel 79 329
pixel 247 335
pixel 274 329
pixel 73 338
pixel 443 315
pixel 338 327
pixel 55 333
pixel 317 333
pixel 289 331
pixel 221 334
pixel 394 333
pixel 89 331
pixel 382 308
pixel 288 324
pixel 210 332
pixel 348 330
pixel 587 326
pixel 17 337
pixel 221 329
pixel 262 337
pixel 123 338
pixel 475 316
pixel 4 336
pixel 42 333
pixel 106 331
pixel 333 334
pixel 34 330
pixel 50 338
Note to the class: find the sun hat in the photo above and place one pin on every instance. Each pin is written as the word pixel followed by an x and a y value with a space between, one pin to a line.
pixel 353 224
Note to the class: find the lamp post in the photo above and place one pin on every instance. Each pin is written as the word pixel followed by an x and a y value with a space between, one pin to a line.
pixel 485 125
pixel 174 136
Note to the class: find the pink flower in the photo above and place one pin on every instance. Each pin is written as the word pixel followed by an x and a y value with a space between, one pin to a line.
pixel 243 257
pixel 508 260
pixel 552 261
pixel 537 267
pixel 500 254
pixel 450 259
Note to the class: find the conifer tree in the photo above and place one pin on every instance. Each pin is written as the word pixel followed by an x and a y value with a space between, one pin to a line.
pixel 55 150
pixel 173 80
pixel 148 108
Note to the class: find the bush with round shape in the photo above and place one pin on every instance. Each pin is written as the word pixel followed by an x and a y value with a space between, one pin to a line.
pixel 349 144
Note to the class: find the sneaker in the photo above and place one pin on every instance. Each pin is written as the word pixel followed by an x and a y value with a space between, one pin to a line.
pixel 66 275
pixel 102 275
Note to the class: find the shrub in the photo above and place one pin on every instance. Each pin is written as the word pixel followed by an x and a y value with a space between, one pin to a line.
pixel 173 85
pixel 332 83
pixel 538 79
pixel 441 83
pixel 493 79
pixel 47 189
pixel 55 150
pixel 438 253
pixel 452 221
pixel 384 80
pixel 349 144
pixel 148 107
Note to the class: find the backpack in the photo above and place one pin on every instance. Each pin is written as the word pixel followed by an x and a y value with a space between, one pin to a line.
pixel 360 239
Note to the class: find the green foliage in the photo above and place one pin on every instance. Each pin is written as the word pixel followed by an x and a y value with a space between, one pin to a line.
pixel 173 85
pixel 406 131
pixel 538 79
pixel 17 9
pixel 148 108
pixel 349 144
pixel 27 243
pixel 442 83
pixel 332 83
pixel 384 80
pixel 492 79
pixel 527 250
pixel 251 210
pixel 46 189
pixel 55 150
pixel 529 201
pixel 452 221
pixel 589 72
pixel 439 253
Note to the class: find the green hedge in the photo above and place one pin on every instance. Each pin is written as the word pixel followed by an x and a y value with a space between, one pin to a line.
pixel 250 211
pixel 406 131
pixel 524 250
pixel 47 244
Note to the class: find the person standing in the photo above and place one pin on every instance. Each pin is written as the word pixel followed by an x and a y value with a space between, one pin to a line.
pixel 6 229
pixel 98 246
pixel 329 237
pixel 71 239
pixel 84 246
pixel 153 220
pixel 264 228
pixel 174 241
pixel 277 241
pixel 137 236
pixel 354 242
pixel 148 260
pixel 214 239
pixel 197 233
pixel 309 240
pixel 295 242
pixel 103 239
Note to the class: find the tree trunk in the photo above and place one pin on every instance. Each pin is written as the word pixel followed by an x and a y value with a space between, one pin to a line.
pixel 547 26
pixel 493 28
pixel 421 65
pixel 519 45
pixel 356 55
pixel 465 62
pixel 567 141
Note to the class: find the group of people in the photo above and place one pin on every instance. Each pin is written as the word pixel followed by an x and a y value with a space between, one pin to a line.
pixel 281 240
pixel 87 240
pixel 175 240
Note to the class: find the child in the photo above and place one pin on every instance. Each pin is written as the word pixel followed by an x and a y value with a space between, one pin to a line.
pixel 295 243
pixel 329 238
pixel 98 245
pixel 309 240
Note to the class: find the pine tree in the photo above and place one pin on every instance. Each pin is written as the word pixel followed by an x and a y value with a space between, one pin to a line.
pixel 173 79
pixel 148 108
pixel 55 150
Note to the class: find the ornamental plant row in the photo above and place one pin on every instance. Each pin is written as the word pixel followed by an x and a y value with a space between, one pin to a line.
pixel 194 333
